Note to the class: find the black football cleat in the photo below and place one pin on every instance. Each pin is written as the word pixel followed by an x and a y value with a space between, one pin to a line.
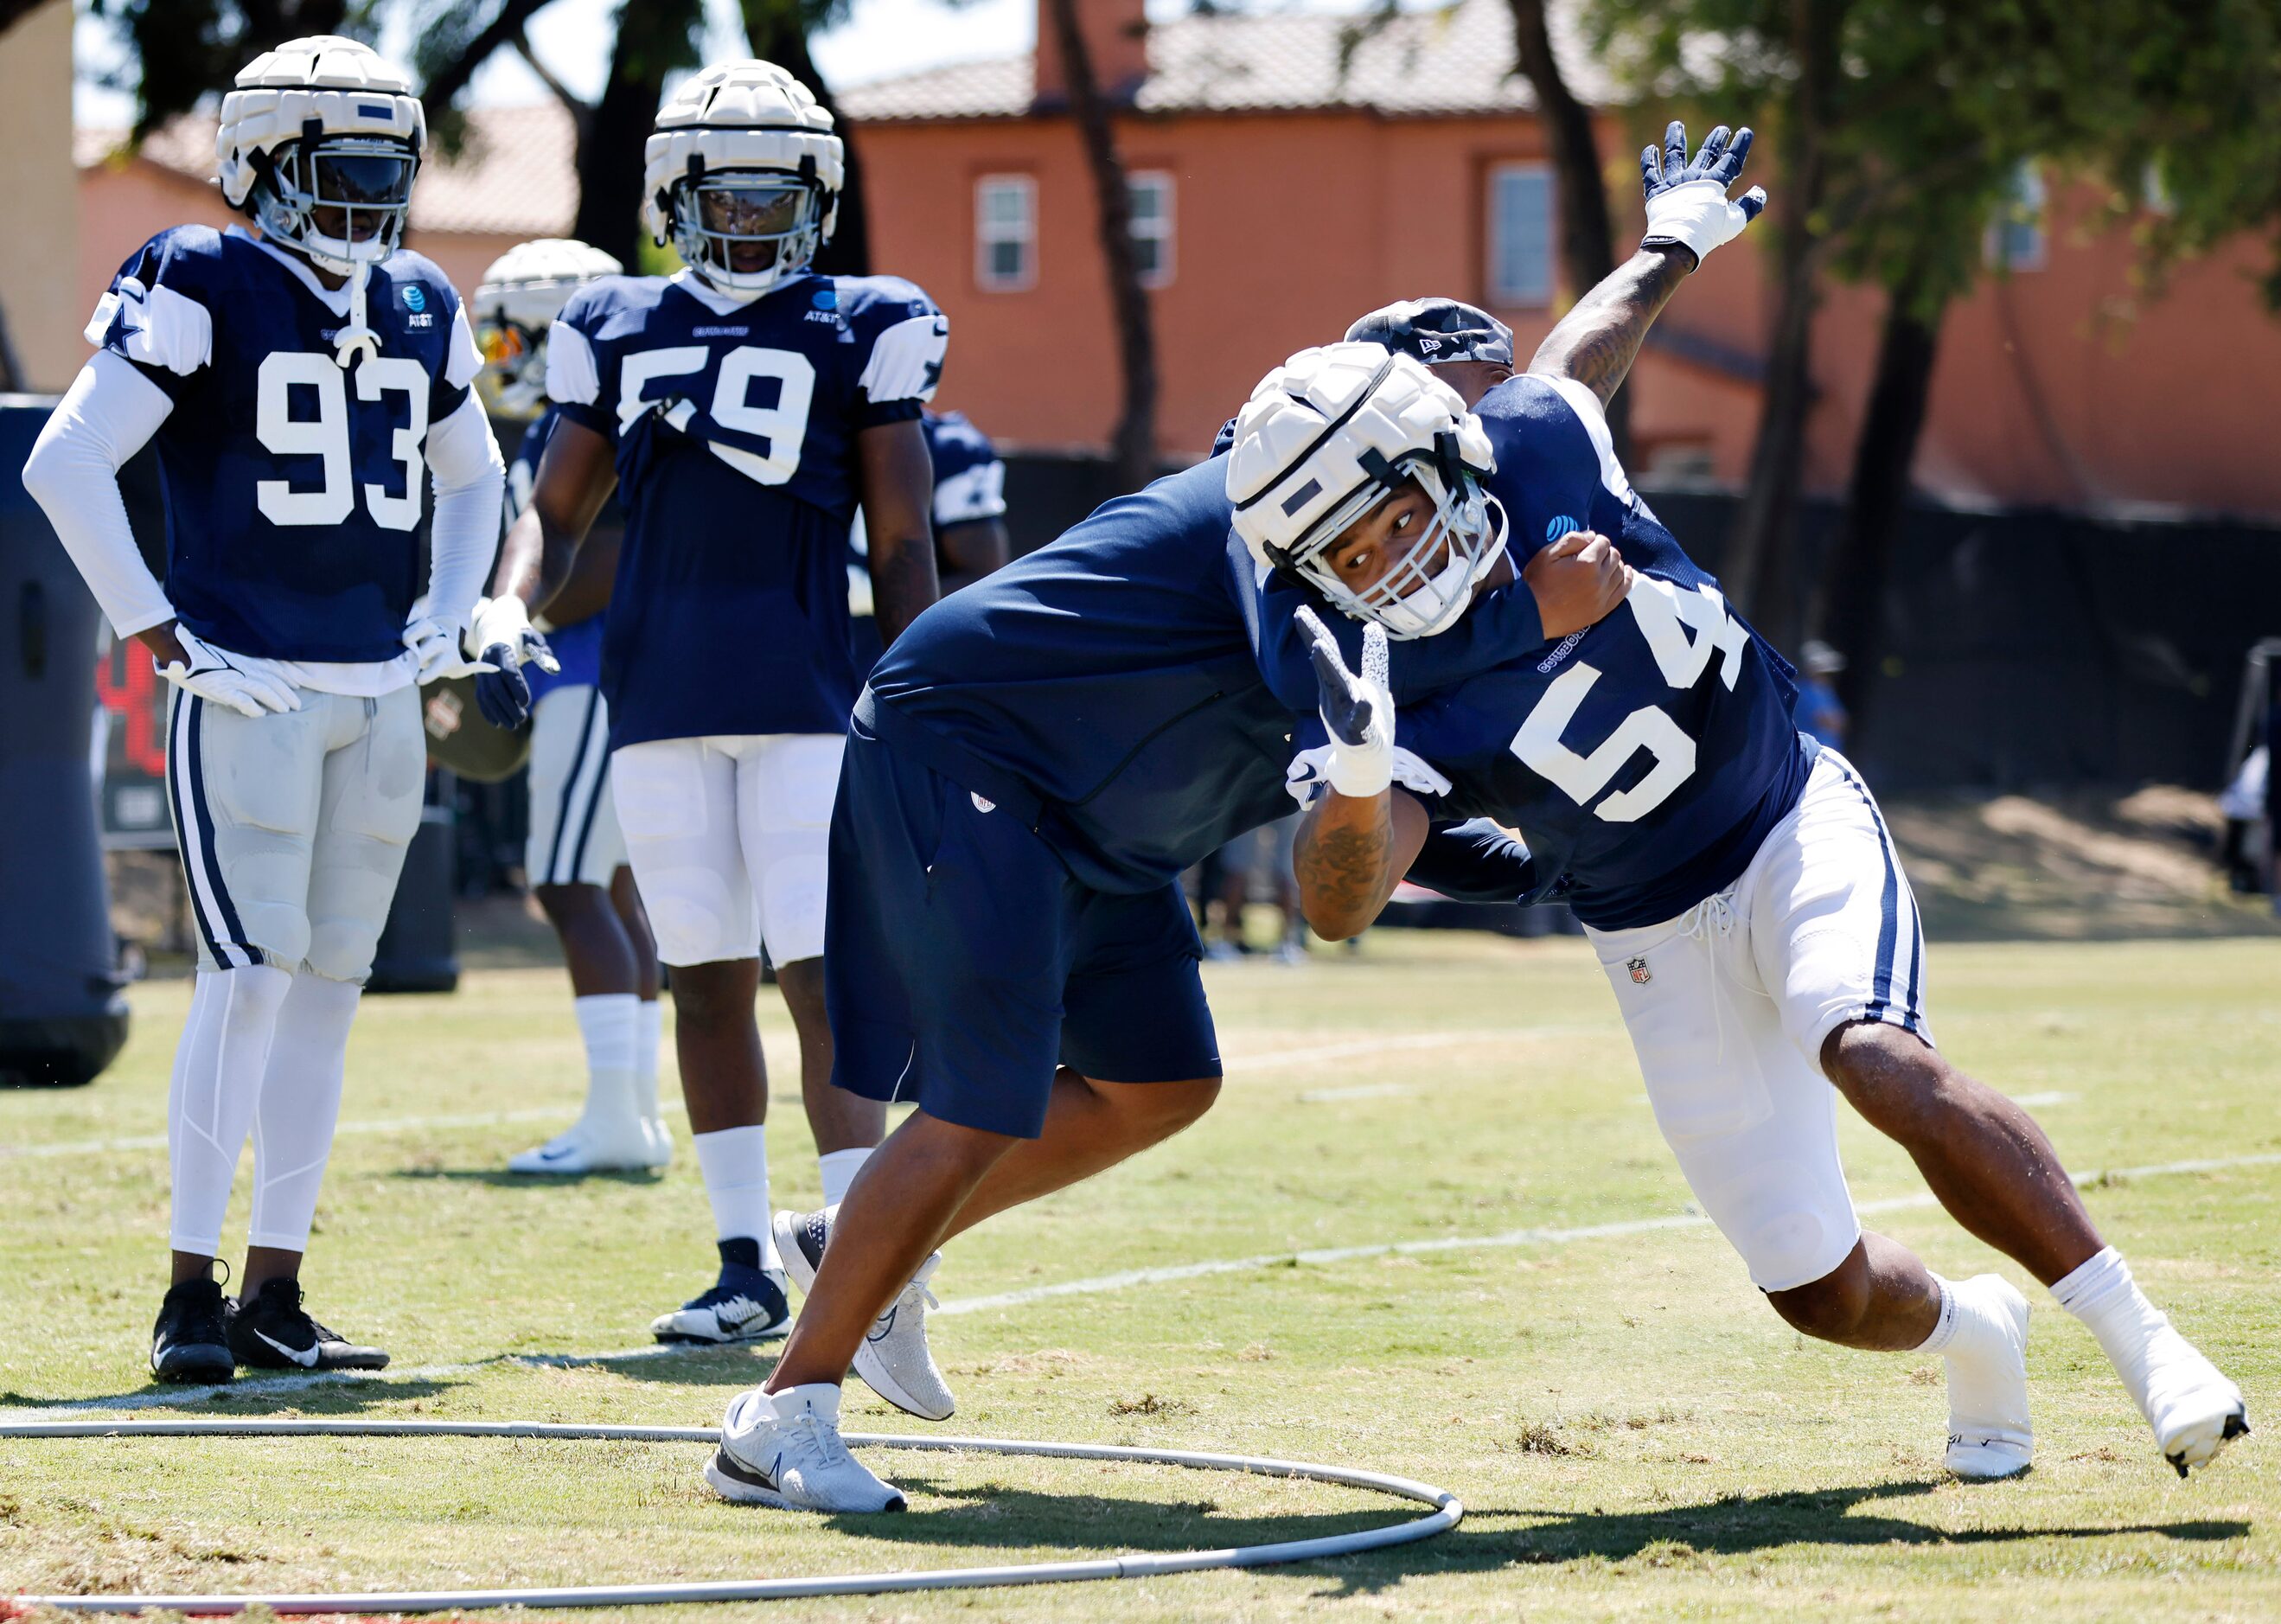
pixel 191 1342
pixel 273 1332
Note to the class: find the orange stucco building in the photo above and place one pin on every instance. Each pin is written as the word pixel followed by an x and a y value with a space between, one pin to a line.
pixel 1305 174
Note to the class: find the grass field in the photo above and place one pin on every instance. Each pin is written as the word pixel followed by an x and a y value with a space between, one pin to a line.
pixel 1633 1432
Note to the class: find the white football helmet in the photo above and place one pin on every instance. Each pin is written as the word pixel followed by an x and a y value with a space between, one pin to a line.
pixel 518 299
pixel 1334 432
pixel 743 159
pixel 319 125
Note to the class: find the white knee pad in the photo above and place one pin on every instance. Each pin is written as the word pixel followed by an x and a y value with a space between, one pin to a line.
pixel 676 805
pixel 790 784
pixel 696 914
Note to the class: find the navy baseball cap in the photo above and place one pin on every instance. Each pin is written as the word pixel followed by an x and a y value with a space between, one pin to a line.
pixel 1436 330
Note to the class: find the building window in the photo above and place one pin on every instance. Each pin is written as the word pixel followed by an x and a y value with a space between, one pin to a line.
pixel 1006 232
pixel 1521 233
pixel 2015 236
pixel 1150 192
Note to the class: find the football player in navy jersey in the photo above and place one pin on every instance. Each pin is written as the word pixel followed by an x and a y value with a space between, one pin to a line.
pixel 573 857
pixel 743 408
pixel 1030 770
pixel 302 380
pixel 1735 879
pixel 969 521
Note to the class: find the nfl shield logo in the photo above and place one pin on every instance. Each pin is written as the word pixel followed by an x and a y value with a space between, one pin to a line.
pixel 1638 967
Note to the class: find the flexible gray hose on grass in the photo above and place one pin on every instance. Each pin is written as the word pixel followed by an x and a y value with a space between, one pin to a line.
pixel 1133 1564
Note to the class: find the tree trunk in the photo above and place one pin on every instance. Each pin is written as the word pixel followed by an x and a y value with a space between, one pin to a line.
pixel 1759 566
pixel 654 39
pixel 778 32
pixel 1134 441
pixel 1853 582
pixel 1587 239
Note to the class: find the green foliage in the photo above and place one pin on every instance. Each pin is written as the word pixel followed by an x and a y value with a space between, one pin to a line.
pixel 180 52
pixel 1936 104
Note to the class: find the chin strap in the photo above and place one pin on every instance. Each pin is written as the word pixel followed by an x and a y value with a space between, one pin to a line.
pixel 356 337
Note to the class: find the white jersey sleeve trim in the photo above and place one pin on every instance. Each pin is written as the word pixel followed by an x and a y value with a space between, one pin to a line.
pixel 470 486
pixel 966 498
pixel 572 375
pixel 1588 411
pixel 463 360
pixel 163 328
pixel 109 414
pixel 906 360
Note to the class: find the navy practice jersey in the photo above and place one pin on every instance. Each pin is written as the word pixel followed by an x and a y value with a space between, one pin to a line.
pixel 735 429
pixel 970 481
pixel 294 490
pixel 1643 760
pixel 1114 673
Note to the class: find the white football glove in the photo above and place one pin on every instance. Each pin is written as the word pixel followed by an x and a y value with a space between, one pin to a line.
pixel 248 686
pixel 1687 203
pixel 1358 712
pixel 436 647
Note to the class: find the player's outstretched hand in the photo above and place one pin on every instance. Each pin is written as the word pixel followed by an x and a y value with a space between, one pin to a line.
pixel 250 686
pixel 1578 580
pixel 436 648
pixel 506 638
pixel 1357 710
pixel 1687 202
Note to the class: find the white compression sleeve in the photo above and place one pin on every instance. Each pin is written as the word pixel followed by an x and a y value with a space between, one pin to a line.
pixel 110 412
pixel 470 486
pixel 299 1108
pixel 218 1072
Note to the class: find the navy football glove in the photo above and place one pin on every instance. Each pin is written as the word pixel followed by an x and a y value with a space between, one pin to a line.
pixel 1687 201
pixel 503 632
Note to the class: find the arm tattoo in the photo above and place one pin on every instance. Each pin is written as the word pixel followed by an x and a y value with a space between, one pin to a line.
pixel 1344 871
pixel 1596 341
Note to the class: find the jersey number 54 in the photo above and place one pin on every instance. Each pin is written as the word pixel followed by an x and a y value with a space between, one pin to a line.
pixel 1684 628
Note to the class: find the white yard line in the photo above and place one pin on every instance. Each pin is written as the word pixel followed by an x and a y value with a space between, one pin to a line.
pixel 1244 1065
pixel 1097 1285
pixel 2050 1096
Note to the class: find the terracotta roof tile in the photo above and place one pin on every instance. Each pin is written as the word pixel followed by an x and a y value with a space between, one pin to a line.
pixel 517 172
pixel 1456 59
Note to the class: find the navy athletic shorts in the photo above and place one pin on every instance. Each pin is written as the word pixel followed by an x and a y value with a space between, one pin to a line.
pixel 962 963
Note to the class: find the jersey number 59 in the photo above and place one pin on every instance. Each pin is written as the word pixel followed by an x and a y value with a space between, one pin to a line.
pixel 327 436
pixel 1684 628
pixel 783 426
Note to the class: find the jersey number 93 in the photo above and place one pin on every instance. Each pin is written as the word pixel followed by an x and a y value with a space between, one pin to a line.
pixel 326 436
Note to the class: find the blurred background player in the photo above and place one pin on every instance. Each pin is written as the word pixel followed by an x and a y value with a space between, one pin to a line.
pixel 574 857
pixel 743 407
pixel 970 521
pixel 303 379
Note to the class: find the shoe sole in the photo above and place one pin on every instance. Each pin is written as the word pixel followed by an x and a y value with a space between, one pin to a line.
pixel 211 1370
pixel 875 1375
pixel 375 1360
pixel 2237 1426
pixel 724 1477
pixel 1986 1463
pixel 768 1334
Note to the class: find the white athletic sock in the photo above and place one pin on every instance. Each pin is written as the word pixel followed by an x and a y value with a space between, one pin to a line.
pixel 839 1168
pixel 2102 1294
pixel 299 1106
pixel 1944 1329
pixel 649 1027
pixel 735 1163
pixel 217 1082
pixel 609 1024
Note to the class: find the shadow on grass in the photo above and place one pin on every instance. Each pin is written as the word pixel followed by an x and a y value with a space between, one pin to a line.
pixel 1734 1525
pixel 992 1514
pixel 331 1393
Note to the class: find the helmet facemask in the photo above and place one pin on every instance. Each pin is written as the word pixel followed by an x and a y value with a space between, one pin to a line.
pixel 360 186
pixel 513 381
pixel 745 230
pixel 1429 587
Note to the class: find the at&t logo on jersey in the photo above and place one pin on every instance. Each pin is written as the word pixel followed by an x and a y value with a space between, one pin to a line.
pixel 415 300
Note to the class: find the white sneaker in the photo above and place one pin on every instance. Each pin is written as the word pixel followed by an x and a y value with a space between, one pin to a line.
pixel 2194 1409
pixel 895 1360
pixel 659 1139
pixel 783 1448
pixel 591 1147
pixel 1989 1435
